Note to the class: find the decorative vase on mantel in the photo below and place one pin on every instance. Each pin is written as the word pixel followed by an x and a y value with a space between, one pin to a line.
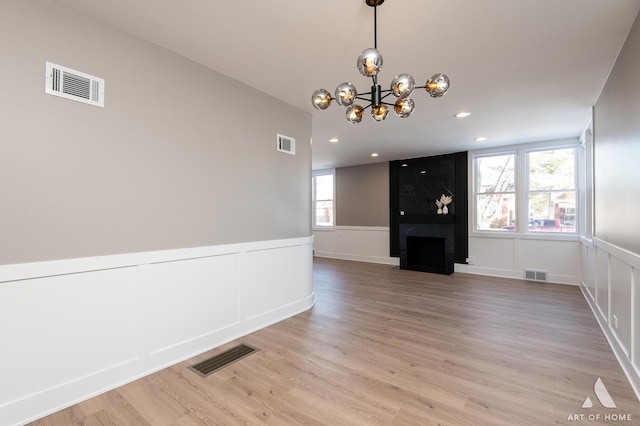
pixel 443 202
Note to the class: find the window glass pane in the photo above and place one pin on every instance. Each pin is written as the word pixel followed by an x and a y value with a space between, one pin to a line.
pixel 552 195
pixel 324 213
pixel 553 211
pixel 324 187
pixel 550 191
pixel 323 203
pixel 495 212
pixel 549 170
pixel 495 174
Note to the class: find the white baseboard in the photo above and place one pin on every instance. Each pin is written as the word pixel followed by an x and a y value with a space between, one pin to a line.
pixel 633 375
pixel 609 281
pixel 505 273
pixel 52 400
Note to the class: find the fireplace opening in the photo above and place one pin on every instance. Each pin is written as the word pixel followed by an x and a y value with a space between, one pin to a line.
pixel 427 254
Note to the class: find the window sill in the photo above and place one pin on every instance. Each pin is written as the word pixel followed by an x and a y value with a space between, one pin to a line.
pixel 549 236
pixel 323 228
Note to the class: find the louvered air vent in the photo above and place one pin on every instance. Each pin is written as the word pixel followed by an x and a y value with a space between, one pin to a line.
pixel 530 274
pixel 75 85
pixel 286 144
pixel 217 362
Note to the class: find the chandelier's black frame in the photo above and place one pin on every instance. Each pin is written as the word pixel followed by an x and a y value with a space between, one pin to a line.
pixel 377 95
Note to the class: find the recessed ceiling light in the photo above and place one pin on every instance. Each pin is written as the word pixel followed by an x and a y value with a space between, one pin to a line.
pixel 404 165
pixel 334 140
pixel 375 154
pixel 462 114
pixel 424 172
pixel 480 139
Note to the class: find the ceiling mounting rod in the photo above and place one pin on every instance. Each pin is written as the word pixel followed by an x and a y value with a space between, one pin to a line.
pixel 375 4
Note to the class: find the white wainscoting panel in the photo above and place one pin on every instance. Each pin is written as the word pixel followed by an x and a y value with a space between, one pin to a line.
pixel 62 328
pixel 588 272
pixel 635 325
pixel 602 281
pixel 494 256
pixel 269 281
pixel 508 257
pixel 620 281
pixel 360 243
pixel 616 273
pixel 73 329
pixel 180 301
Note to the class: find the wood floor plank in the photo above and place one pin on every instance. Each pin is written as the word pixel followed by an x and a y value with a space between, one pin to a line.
pixel 122 414
pixel 384 346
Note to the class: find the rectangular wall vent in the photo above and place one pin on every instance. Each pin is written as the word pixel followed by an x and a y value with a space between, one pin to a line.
pixel 530 274
pixel 75 85
pixel 213 364
pixel 286 144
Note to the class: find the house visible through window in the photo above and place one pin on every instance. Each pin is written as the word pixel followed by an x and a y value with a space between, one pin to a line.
pixel 536 187
pixel 551 192
pixel 323 198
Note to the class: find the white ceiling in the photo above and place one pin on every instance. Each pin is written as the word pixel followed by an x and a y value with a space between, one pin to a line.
pixel 526 70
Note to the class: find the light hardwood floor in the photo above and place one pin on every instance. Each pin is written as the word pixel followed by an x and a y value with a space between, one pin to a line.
pixel 384 346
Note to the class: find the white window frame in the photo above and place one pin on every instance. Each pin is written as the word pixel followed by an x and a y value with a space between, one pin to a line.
pixel 315 174
pixel 474 189
pixel 522 185
pixel 576 153
pixel 585 190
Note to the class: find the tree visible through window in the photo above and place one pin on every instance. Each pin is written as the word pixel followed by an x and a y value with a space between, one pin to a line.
pixel 495 192
pixel 552 190
pixel 536 186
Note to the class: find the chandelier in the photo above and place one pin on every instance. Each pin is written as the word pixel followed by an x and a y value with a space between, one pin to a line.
pixel 369 64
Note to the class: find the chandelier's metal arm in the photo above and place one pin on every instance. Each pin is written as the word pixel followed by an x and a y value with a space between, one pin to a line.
pixel 389 93
pixel 386 93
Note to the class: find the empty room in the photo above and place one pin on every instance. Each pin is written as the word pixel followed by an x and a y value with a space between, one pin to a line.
pixel 363 212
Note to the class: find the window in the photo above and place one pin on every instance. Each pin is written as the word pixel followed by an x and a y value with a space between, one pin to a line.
pixel 586 183
pixel 495 192
pixel 323 199
pixel 551 192
pixel 526 190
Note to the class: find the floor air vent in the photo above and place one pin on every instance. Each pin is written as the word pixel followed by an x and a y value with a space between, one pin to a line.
pixel 530 274
pixel 75 85
pixel 217 362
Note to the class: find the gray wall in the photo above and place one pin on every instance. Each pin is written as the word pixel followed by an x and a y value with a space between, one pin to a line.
pixel 617 150
pixel 362 195
pixel 181 156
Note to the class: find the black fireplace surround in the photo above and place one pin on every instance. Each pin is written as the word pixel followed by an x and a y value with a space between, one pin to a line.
pixel 423 239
